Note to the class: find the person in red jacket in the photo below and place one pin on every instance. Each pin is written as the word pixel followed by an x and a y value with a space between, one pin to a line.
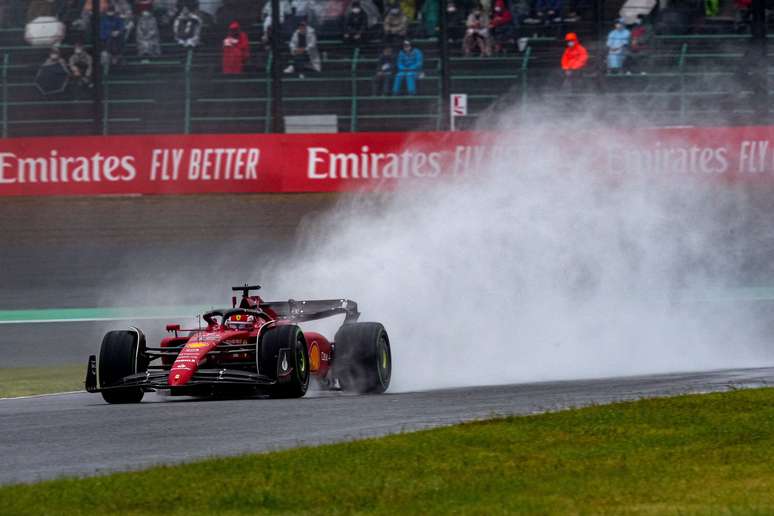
pixel 236 50
pixel 501 23
pixel 575 55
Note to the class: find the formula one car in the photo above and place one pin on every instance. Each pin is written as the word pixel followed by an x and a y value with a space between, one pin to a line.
pixel 254 347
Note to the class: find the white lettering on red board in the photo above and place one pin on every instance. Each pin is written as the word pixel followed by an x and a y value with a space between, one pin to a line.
pixel 206 164
pixel 64 169
pixel 324 164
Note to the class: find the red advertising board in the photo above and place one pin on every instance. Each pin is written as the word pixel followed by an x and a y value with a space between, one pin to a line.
pixel 178 164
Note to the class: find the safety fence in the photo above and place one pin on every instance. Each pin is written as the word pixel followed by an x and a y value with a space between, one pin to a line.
pixel 681 80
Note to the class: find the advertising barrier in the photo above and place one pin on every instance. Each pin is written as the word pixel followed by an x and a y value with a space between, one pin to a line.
pixel 177 164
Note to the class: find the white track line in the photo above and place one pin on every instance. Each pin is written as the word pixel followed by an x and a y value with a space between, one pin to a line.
pixel 95 319
pixel 40 395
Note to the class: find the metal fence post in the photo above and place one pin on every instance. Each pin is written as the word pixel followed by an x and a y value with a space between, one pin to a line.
pixel 188 78
pixel 680 67
pixel 267 84
pixel 6 61
pixel 353 106
pixel 105 108
pixel 524 68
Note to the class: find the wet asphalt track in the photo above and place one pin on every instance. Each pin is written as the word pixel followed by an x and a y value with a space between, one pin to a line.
pixel 78 434
pixel 89 252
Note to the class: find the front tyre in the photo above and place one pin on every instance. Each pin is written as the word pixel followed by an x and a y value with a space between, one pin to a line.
pixel 285 358
pixel 121 354
pixel 362 358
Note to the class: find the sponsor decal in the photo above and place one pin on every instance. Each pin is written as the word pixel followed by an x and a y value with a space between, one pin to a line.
pixel 197 345
pixel 314 357
pixel 177 376
pixel 284 364
pixel 195 164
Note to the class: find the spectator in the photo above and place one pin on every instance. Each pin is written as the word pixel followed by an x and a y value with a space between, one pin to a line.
pixel 356 25
pixel 373 14
pixel 409 8
pixel 54 57
pixel 642 34
pixel 187 28
pixel 502 26
pixel 395 25
pixel 41 8
pixel 303 50
pixel 53 75
pixel 124 9
pixel 383 79
pixel 477 33
pixel 574 58
pixel 743 14
pixel 81 66
pixel 148 36
pixel 112 35
pixel 140 6
pixel 617 43
pixel 547 11
pixel 84 23
pixel 410 62
pixel 455 21
pixel 236 50
pixel 429 14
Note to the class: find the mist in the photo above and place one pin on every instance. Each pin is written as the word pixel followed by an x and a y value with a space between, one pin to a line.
pixel 541 268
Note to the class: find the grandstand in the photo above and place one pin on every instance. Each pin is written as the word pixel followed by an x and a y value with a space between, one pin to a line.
pixel 699 74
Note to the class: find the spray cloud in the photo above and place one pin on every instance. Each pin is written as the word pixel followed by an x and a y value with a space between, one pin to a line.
pixel 542 268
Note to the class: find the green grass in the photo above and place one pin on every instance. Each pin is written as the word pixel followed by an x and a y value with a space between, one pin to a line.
pixel 705 454
pixel 25 381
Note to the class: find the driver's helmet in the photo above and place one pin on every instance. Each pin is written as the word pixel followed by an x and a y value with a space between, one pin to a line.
pixel 240 322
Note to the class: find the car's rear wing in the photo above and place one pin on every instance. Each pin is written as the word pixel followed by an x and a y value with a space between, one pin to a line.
pixel 300 311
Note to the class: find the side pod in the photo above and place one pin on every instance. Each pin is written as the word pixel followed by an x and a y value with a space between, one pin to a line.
pixel 91 374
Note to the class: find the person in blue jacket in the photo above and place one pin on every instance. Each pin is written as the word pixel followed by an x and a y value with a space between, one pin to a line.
pixel 617 45
pixel 410 62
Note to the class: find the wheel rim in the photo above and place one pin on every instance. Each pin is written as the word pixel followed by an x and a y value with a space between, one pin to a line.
pixel 301 362
pixel 384 361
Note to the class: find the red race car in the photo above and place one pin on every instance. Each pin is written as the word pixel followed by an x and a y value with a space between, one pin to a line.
pixel 254 347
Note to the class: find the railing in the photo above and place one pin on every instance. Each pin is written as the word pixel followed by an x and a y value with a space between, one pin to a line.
pixel 512 74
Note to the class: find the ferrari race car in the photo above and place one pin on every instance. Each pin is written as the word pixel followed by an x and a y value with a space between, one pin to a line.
pixel 254 347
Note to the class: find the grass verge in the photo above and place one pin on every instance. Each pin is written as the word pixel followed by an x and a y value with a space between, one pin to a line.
pixel 26 381
pixel 691 454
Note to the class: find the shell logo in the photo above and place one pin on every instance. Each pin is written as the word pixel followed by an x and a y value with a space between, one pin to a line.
pixel 314 357
pixel 197 344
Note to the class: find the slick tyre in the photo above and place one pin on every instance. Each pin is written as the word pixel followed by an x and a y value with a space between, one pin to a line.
pixel 285 358
pixel 362 358
pixel 121 354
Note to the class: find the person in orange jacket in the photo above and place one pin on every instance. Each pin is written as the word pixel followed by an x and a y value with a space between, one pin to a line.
pixel 575 55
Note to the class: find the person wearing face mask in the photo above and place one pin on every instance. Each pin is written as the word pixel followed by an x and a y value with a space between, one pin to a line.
pixel 303 51
pixel 236 50
pixel 617 45
pixel 356 25
pixel 477 33
pixel 148 37
pixel 395 25
pixel 81 66
pixel 502 26
pixel 574 58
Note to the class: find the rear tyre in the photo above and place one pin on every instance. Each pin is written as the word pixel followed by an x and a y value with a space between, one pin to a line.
pixel 285 358
pixel 121 354
pixel 362 359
